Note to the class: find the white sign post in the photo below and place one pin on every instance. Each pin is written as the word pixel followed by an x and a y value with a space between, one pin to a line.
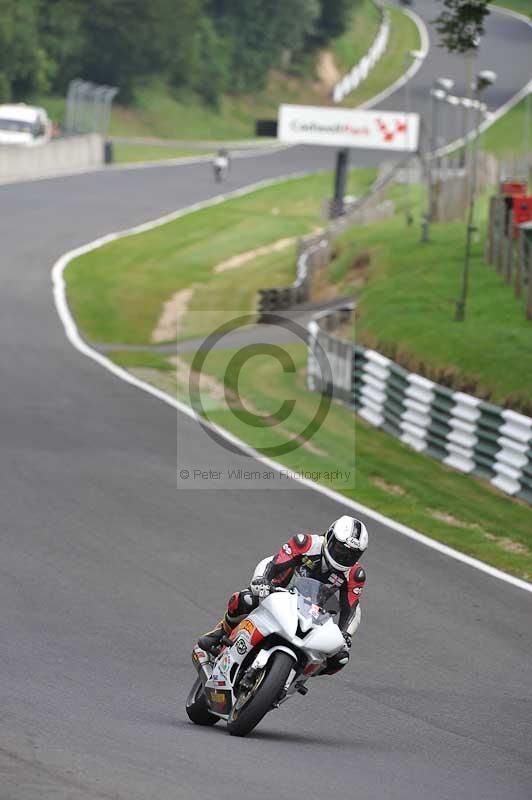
pixel 346 127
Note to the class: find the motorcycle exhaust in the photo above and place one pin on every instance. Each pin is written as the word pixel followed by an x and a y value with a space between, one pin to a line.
pixel 202 664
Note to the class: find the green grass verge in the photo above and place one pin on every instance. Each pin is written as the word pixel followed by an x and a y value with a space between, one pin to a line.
pixel 404 36
pixel 455 509
pixel 131 153
pixel 349 48
pixel 117 292
pixel 406 306
pixel 506 137
pixel 522 6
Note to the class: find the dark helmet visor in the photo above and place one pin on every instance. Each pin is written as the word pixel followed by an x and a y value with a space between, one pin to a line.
pixel 346 556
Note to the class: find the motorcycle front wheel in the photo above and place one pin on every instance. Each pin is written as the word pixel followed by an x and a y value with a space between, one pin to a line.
pixel 266 691
pixel 196 707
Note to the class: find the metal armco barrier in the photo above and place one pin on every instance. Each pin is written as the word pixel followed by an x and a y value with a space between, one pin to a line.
pixel 339 354
pixel 314 252
pixel 524 266
pixel 460 430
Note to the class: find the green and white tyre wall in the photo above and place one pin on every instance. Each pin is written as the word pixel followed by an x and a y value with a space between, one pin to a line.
pixel 460 430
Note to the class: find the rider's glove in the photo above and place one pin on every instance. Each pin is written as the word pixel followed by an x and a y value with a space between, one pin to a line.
pixel 347 638
pixel 260 588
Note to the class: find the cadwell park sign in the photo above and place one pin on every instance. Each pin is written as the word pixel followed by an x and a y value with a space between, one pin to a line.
pixel 345 127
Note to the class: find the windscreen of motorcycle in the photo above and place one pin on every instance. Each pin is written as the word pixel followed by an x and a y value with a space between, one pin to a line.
pixel 312 598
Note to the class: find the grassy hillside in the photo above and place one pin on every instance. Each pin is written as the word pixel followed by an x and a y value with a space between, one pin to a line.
pixel 506 137
pixel 406 296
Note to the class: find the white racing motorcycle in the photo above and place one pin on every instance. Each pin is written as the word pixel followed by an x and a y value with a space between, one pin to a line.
pixel 268 657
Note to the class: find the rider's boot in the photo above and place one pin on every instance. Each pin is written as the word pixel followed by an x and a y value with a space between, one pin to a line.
pixel 212 640
pixel 335 663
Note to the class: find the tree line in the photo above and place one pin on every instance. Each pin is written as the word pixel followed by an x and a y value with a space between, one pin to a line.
pixel 207 46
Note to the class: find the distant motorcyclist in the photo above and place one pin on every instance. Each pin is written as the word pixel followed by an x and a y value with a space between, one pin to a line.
pixel 221 164
pixel 331 558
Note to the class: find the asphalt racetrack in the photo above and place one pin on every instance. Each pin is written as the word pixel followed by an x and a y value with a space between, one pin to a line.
pixel 108 573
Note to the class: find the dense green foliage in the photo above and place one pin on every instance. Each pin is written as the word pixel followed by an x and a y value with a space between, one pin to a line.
pixel 461 24
pixel 208 46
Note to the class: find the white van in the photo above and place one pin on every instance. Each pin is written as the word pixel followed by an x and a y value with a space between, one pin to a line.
pixel 24 125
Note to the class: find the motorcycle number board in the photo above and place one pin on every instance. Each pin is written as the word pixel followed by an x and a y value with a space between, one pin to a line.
pixel 346 127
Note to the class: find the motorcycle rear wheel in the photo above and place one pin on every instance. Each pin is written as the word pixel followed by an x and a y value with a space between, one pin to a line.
pixel 196 706
pixel 269 689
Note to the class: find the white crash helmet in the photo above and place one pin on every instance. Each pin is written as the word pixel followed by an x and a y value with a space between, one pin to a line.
pixel 344 543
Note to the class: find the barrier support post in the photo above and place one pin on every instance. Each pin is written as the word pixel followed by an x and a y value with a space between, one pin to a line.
pixel 528 267
pixel 340 181
pixel 489 238
pixel 108 152
pixel 520 266
pixel 509 255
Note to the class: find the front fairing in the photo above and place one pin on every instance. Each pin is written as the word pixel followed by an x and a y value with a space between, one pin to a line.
pixel 326 639
pixel 284 612
pixel 278 614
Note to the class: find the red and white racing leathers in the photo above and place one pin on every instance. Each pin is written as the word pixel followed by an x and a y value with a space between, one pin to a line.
pixel 303 555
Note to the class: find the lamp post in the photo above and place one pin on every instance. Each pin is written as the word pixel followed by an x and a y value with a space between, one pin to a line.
pixel 484 79
pixel 528 103
pixel 416 55
pixel 439 91
pixel 442 92
pixel 455 103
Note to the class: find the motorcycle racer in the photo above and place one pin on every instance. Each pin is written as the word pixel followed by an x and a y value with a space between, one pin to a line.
pixel 221 164
pixel 331 558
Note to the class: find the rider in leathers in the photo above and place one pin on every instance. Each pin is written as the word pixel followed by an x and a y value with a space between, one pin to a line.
pixel 331 559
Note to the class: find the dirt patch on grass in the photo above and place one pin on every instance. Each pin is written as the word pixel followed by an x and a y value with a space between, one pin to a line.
pixel 327 71
pixel 207 384
pixel 389 488
pixel 168 324
pixel 450 519
pixel 244 258
pixel 321 287
pixel 359 269
pixel 509 545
